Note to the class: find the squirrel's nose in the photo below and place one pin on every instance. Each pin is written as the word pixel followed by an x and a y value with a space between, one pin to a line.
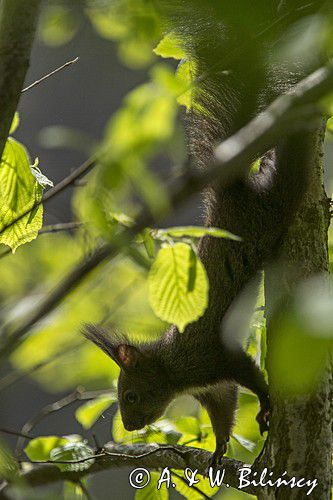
pixel 129 426
pixel 134 426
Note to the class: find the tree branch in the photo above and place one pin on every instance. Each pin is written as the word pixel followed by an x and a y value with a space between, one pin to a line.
pixel 53 228
pixel 149 456
pixel 80 394
pixel 18 19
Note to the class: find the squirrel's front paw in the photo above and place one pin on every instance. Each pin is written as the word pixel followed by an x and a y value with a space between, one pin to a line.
pixel 216 459
pixel 263 416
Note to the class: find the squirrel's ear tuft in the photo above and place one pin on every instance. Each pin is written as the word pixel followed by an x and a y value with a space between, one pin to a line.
pixel 113 344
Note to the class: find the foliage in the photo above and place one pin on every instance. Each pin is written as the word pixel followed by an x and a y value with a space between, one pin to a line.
pixel 158 278
pixel 89 412
pixel 178 285
pixel 21 188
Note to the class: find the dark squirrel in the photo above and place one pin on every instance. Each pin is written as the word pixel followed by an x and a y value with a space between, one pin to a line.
pixel 234 81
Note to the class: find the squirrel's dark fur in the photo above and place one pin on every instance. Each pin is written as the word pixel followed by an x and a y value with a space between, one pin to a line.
pixel 234 75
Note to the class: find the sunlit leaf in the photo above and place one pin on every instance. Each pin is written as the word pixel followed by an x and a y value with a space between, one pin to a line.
pixel 119 433
pixel 19 192
pixel 39 449
pixel 151 492
pixel 188 425
pixel 134 24
pixel 186 72
pixel 15 123
pixel 73 491
pixel 168 429
pixel 178 291
pixel 195 232
pixel 178 478
pixel 58 25
pixel 246 443
pixel 149 243
pixel 88 413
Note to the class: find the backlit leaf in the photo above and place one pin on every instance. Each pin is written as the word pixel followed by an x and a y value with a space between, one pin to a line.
pixel 89 412
pixel 58 25
pixel 39 449
pixel 15 123
pixel 19 192
pixel 195 232
pixel 170 295
pixel 151 492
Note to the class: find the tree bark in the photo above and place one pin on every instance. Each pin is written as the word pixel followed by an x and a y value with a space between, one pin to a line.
pixel 300 437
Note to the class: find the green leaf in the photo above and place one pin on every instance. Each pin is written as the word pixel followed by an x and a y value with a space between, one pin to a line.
pixel 134 24
pixel 170 47
pixel 255 167
pixel 149 243
pixel 58 25
pixel 19 191
pixel 194 232
pixel 246 443
pixel 73 451
pixel 119 433
pixel 186 73
pixel 170 295
pixel 15 123
pixel 188 492
pixel 89 412
pixel 73 491
pixel 150 492
pixel 39 449
pixel 168 430
pixel 188 425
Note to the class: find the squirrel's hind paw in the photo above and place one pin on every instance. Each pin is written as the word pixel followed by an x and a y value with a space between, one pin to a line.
pixel 216 459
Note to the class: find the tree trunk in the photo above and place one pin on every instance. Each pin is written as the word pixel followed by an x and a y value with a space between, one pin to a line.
pixel 300 437
pixel 18 21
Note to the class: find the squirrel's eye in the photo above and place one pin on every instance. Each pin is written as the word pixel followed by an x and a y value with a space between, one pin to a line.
pixel 131 397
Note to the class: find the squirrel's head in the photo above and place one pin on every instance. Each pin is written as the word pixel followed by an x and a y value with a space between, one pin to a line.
pixel 144 390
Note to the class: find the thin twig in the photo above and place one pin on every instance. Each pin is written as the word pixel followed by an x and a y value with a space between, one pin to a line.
pixel 80 394
pixel 41 80
pixel 70 179
pixel 61 226
pixel 15 433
